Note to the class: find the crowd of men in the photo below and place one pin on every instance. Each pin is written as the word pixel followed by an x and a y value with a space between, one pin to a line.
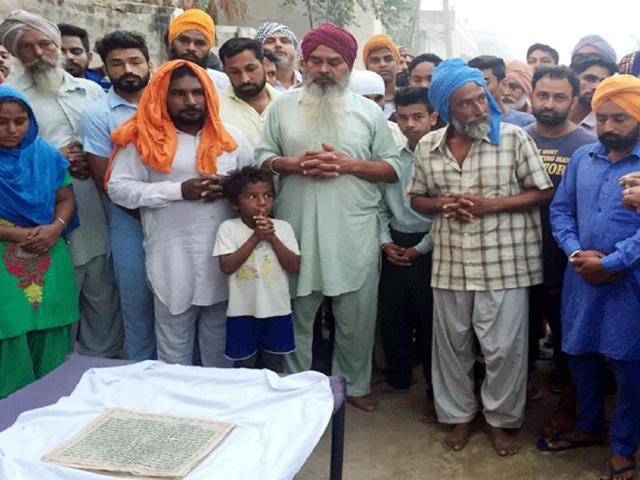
pixel 483 202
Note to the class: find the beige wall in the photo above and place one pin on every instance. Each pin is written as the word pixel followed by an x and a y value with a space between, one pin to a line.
pixel 150 18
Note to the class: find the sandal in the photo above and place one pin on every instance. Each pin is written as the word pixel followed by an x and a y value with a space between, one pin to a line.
pixel 544 444
pixel 613 472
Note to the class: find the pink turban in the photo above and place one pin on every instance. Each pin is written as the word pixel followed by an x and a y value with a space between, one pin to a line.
pixel 334 37
pixel 522 74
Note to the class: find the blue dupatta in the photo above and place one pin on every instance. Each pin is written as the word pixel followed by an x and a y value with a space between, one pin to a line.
pixel 30 173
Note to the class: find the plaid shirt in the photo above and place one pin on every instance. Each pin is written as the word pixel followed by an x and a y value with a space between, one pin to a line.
pixel 495 251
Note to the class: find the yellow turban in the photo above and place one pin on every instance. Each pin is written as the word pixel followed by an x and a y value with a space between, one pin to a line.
pixel 378 42
pixel 193 19
pixel 623 90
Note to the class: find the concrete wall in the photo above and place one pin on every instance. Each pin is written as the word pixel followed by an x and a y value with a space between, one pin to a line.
pixel 151 18
pixel 99 17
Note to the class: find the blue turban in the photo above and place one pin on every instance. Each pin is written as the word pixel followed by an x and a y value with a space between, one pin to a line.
pixel 600 44
pixel 448 77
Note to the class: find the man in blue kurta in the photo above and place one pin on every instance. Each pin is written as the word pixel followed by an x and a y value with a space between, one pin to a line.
pixel 601 292
pixel 330 147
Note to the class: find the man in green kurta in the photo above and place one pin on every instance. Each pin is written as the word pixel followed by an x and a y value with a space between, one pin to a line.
pixel 330 148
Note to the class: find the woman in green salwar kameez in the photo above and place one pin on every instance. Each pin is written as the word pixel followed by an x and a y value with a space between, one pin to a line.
pixel 38 298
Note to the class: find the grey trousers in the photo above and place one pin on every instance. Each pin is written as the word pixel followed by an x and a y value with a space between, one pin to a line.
pixel 355 316
pixel 499 319
pixel 176 334
pixel 99 331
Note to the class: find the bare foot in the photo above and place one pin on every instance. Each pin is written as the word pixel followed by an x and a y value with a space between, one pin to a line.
pixel 503 441
pixel 383 387
pixel 620 468
pixel 565 417
pixel 458 437
pixel 364 402
pixel 533 392
pixel 563 420
pixel 428 412
pixel 568 440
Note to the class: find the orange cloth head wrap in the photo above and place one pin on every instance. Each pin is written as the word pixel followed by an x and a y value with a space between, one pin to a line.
pixel 623 90
pixel 193 19
pixel 154 135
pixel 376 43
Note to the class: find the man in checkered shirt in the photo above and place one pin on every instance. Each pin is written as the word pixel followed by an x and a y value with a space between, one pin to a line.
pixel 484 180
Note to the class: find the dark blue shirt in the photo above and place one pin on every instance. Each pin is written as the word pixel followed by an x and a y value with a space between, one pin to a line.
pixel 555 153
pixel 97 77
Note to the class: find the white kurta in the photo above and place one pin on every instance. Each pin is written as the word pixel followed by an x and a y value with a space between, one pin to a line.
pixel 178 234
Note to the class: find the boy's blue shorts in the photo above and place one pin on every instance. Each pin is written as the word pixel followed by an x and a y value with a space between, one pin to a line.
pixel 246 335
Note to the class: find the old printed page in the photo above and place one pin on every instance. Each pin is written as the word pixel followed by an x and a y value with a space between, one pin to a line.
pixel 142 444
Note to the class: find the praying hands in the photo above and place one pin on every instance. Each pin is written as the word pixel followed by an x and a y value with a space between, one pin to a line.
pixel 466 207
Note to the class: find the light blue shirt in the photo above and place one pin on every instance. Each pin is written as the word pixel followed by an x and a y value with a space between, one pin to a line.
pixel 521 119
pixel 100 119
pixel 395 210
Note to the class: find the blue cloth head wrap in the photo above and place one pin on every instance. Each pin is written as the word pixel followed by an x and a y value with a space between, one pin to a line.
pixel 30 173
pixel 449 76
pixel 596 41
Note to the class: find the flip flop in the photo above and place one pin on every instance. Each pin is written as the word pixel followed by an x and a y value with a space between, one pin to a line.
pixel 543 444
pixel 612 471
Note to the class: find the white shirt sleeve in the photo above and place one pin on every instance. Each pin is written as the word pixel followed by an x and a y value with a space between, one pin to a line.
pixel 129 184
pixel 225 239
pixel 244 150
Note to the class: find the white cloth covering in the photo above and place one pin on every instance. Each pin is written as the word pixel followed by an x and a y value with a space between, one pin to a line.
pixel 279 420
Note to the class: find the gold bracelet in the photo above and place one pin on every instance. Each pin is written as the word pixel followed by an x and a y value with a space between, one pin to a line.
pixel 64 224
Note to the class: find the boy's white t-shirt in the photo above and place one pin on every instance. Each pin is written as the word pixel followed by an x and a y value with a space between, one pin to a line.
pixel 260 287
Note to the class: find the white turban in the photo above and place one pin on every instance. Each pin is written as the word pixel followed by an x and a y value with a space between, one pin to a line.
pixel 366 82
pixel 19 21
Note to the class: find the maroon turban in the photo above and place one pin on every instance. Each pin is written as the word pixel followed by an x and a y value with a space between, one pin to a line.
pixel 335 38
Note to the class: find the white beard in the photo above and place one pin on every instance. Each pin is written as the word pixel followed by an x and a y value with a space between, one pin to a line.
pixel 515 105
pixel 322 108
pixel 476 130
pixel 47 76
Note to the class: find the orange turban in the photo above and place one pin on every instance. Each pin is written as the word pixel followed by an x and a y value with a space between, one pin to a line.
pixel 378 42
pixel 154 135
pixel 623 90
pixel 193 19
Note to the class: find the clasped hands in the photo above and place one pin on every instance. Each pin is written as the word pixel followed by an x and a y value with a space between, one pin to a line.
pixel 631 192
pixel 466 206
pixel 326 162
pixel 263 228
pixel 588 265
pixel 206 188
pixel 78 164
pixel 399 256
pixel 38 240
